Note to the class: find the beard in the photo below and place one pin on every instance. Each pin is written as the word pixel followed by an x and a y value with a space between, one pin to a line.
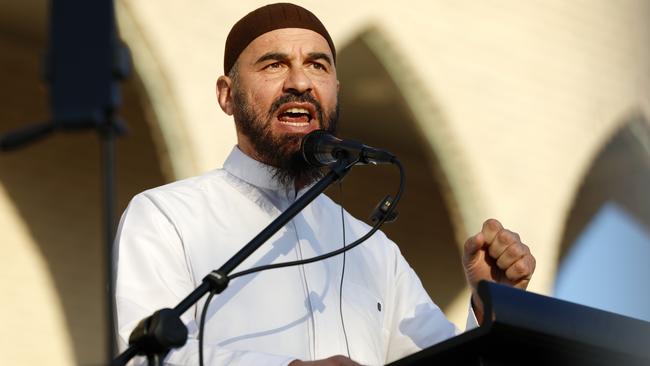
pixel 282 152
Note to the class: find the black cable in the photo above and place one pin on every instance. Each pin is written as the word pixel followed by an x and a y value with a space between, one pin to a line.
pixel 345 333
pixel 374 229
pixel 378 224
pixel 341 250
pixel 202 326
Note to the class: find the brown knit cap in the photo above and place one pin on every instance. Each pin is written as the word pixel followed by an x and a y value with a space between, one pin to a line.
pixel 266 19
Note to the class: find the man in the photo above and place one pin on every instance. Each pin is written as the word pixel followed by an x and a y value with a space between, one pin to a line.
pixel 368 305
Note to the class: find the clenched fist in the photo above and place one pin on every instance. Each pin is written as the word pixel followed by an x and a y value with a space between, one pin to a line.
pixel 496 254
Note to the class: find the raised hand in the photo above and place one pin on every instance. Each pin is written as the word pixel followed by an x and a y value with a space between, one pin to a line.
pixel 498 255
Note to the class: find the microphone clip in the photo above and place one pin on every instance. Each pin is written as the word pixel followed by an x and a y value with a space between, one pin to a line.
pixel 381 211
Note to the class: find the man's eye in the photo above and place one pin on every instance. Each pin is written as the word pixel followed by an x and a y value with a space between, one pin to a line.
pixel 274 66
pixel 318 66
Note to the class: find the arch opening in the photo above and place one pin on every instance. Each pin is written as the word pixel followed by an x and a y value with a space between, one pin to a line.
pixel 374 111
pixel 54 185
pixel 607 234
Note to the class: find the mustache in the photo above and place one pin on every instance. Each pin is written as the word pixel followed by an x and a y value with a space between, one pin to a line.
pixel 298 98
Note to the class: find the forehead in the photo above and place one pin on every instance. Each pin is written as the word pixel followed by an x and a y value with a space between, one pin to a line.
pixel 286 40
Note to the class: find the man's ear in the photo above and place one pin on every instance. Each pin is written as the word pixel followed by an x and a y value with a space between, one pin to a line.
pixel 224 94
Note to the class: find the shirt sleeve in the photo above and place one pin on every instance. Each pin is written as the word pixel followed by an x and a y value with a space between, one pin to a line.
pixel 416 322
pixel 472 322
pixel 152 272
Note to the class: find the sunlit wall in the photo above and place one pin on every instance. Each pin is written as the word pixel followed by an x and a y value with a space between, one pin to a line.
pixel 501 109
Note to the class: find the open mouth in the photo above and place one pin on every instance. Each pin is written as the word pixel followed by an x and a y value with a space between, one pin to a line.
pixel 296 114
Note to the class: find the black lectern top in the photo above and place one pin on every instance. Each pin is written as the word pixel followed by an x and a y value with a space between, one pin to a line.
pixel 523 328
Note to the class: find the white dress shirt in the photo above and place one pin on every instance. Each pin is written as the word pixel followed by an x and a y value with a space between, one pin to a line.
pixel 170 237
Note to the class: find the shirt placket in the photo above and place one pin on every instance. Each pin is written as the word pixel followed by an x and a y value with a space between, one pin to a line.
pixel 286 199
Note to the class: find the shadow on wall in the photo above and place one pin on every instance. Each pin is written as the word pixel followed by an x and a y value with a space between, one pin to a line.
pixel 374 111
pixel 55 185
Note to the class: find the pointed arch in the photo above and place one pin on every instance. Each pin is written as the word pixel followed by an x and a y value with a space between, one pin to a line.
pixel 620 172
pixel 449 161
pixel 607 233
pixel 376 109
pixel 50 195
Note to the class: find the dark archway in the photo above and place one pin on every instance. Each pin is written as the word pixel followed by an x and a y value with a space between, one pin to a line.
pixel 374 111
pixel 55 185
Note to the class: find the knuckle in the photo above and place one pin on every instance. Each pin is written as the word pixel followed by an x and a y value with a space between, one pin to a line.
pixel 514 271
pixel 509 256
pixel 491 224
pixel 512 253
pixel 505 236
pixel 520 268
pixel 502 262
pixel 518 251
pixel 495 251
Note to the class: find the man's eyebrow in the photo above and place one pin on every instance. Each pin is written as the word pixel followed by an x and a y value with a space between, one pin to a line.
pixel 279 56
pixel 276 56
pixel 320 56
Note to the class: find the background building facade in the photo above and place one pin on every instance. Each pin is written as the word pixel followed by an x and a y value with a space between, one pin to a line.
pixel 532 112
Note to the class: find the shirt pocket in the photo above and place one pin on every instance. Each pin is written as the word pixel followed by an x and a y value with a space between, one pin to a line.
pixel 363 315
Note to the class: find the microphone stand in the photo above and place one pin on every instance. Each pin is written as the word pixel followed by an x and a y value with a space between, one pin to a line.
pixel 82 67
pixel 157 334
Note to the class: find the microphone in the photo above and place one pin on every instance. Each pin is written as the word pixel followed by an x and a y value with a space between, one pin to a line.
pixel 320 148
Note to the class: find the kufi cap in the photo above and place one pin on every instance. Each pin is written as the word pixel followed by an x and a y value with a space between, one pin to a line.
pixel 266 19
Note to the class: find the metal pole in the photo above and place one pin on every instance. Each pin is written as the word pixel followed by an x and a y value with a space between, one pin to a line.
pixel 107 136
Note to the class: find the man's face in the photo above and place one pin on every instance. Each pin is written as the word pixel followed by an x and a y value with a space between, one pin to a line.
pixel 285 87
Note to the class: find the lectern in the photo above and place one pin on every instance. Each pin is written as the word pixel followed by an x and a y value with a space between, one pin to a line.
pixel 523 328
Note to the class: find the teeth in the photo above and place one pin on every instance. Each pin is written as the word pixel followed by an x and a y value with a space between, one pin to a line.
pixel 295 124
pixel 297 110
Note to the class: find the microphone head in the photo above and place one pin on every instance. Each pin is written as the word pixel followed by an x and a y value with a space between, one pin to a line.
pixel 317 148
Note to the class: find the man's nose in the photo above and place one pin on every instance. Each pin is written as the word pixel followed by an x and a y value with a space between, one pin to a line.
pixel 298 81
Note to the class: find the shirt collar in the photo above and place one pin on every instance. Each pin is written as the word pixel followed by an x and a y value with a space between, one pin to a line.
pixel 252 171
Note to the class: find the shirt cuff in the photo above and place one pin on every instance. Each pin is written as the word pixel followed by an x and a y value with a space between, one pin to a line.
pixel 472 322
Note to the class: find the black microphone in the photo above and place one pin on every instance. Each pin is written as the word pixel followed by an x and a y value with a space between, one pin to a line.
pixel 320 148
